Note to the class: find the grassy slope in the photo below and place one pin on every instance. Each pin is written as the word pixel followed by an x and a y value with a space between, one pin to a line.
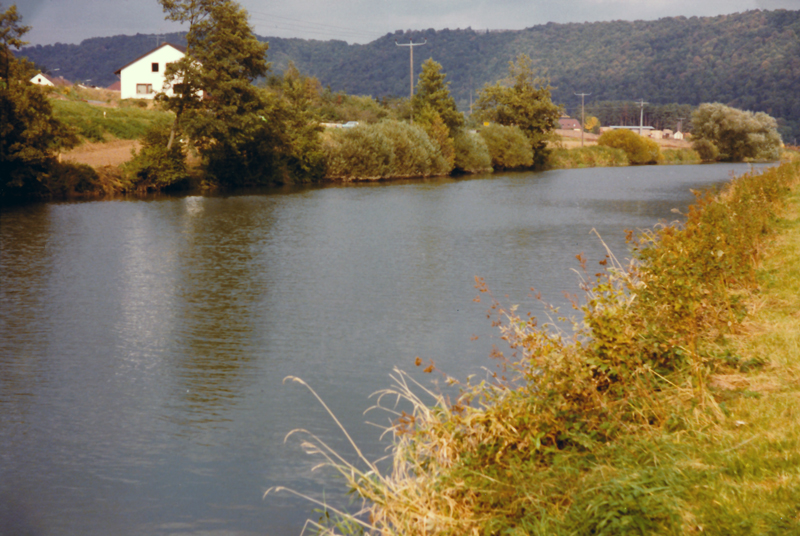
pixel 127 123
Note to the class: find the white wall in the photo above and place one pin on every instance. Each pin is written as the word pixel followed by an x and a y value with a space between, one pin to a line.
pixel 140 73
pixel 41 80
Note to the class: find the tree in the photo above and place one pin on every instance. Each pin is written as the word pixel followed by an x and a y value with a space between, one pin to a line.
pixel 730 134
pixel 592 124
pixel 434 93
pixel 29 134
pixel 232 123
pixel 522 100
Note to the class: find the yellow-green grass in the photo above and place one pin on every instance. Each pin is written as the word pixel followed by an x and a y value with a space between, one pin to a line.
pixel 102 123
pixel 586 157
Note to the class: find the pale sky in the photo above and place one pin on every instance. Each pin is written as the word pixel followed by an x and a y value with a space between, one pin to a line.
pixel 358 21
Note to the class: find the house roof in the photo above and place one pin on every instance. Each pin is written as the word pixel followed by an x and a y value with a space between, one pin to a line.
pixel 55 80
pixel 176 47
pixel 569 123
pixel 116 86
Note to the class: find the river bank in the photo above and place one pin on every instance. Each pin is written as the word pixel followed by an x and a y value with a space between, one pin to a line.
pixel 670 410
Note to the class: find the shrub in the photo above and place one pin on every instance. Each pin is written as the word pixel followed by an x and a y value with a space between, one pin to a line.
pixel 706 150
pixel 389 149
pixel 584 157
pixel 67 179
pixel 154 168
pixel 640 150
pixel 736 133
pixel 680 156
pixel 508 146
pixel 471 154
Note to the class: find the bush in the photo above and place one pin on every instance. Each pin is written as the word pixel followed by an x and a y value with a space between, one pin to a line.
pixel 389 149
pixel 706 150
pixel 471 154
pixel 154 168
pixel 584 157
pixel 508 147
pixel 680 156
pixel 67 179
pixel 640 150
pixel 737 134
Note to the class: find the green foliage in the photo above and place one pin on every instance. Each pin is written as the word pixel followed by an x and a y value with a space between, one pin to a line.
pixel 680 156
pixel 232 126
pixel 706 150
pixel 301 147
pixel 29 134
pixel 735 134
pixel 522 100
pixel 155 167
pixel 389 149
pixel 585 157
pixel 471 153
pixel 433 94
pixel 66 179
pixel 508 146
pixel 640 150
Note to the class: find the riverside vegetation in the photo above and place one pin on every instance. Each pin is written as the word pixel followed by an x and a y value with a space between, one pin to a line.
pixel 251 133
pixel 669 408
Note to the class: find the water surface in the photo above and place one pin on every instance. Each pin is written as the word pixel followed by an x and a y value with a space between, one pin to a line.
pixel 143 344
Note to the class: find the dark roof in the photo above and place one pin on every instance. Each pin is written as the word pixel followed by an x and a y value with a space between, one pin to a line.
pixel 176 47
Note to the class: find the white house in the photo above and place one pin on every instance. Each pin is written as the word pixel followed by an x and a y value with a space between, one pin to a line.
pixel 144 77
pixel 48 80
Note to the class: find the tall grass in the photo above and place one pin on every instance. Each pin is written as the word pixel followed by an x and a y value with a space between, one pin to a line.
pixel 671 407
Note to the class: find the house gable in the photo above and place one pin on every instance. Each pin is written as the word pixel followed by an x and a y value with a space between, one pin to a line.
pixel 144 77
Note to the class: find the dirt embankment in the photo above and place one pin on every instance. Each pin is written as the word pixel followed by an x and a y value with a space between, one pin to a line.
pixel 113 153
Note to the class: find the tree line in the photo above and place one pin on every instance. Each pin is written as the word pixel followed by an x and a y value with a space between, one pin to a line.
pixel 746 60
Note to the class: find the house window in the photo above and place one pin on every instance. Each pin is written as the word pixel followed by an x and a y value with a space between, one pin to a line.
pixel 144 89
pixel 155 67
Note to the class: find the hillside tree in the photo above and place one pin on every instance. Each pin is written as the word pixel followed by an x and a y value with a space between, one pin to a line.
pixel 521 100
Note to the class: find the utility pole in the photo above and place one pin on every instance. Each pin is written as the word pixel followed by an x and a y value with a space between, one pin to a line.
pixel 582 95
pixel 641 117
pixel 411 46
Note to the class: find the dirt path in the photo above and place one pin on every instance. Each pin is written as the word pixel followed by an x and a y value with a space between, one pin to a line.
pixel 114 153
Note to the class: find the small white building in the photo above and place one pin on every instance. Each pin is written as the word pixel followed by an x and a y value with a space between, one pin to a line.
pixel 144 77
pixel 48 80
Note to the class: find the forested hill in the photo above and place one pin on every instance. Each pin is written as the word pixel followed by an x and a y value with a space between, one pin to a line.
pixel 748 60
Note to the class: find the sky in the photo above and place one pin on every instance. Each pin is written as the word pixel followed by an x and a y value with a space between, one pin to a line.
pixel 357 21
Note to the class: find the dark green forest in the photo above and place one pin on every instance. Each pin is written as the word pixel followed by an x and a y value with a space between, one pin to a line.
pixel 747 60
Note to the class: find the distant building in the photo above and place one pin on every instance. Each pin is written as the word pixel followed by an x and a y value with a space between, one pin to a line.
pixel 567 123
pixel 116 86
pixel 144 77
pixel 50 81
